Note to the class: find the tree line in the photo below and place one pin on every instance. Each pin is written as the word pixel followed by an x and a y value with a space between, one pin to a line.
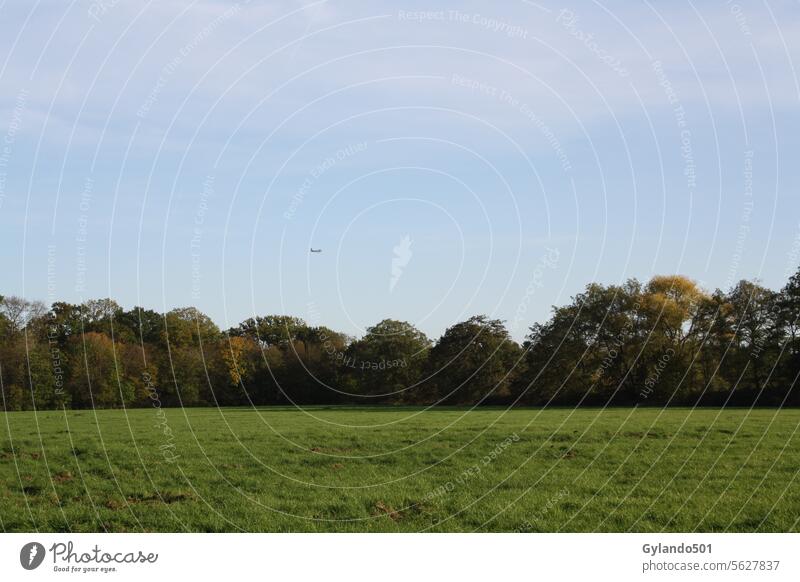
pixel 666 342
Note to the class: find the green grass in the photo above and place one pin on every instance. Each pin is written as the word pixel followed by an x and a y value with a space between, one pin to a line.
pixel 399 469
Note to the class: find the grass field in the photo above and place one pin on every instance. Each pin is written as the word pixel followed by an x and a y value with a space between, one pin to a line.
pixel 398 469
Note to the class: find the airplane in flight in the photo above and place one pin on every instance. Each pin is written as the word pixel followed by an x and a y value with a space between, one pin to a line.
pixel 313 250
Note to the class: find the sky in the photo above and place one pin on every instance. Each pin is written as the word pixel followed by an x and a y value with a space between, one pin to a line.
pixel 449 158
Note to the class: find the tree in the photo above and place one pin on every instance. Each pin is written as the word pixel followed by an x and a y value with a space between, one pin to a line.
pixel 188 326
pixel 666 342
pixel 18 312
pixel 387 362
pixel 588 351
pixel 233 368
pixel 98 315
pixel 65 321
pixel 98 378
pixel 789 313
pixel 140 325
pixel 473 361
pixel 183 374
pixel 272 330
pixel 788 322
pixel 754 315
pixel 678 316
pixel 310 370
pixel 716 357
pixel 5 323
pixel 45 373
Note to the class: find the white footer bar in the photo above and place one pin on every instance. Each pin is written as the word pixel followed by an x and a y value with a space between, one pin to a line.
pixel 401 557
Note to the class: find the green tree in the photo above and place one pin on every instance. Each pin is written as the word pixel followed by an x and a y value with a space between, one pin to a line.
pixel 473 361
pixel 387 361
pixel 98 315
pixel 310 371
pixel 754 314
pixel 588 351
pixel 788 323
pixel 272 330
pixel 140 325
pixel 98 378
pixel 188 326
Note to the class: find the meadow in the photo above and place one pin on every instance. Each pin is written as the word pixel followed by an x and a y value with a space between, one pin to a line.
pixel 396 469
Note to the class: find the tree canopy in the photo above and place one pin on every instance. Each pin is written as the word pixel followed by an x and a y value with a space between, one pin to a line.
pixel 666 342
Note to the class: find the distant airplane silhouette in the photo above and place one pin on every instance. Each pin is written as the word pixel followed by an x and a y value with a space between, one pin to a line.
pixel 313 250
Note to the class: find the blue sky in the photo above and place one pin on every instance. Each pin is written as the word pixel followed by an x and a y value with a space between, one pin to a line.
pixel 174 153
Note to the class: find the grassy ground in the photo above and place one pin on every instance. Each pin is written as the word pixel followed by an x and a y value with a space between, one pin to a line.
pixel 394 469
